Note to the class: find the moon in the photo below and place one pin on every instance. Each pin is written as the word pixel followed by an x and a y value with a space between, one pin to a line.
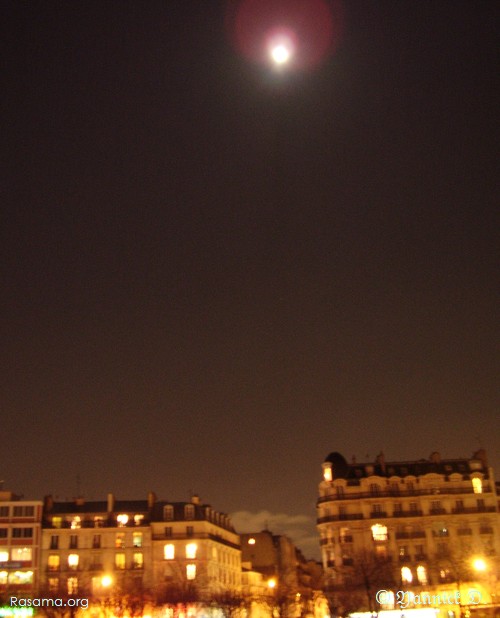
pixel 280 53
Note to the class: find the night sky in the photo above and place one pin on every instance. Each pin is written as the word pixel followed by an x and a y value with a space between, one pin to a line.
pixel 214 273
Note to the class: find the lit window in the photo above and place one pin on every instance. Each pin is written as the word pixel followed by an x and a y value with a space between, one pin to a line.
pixel 422 575
pixel 76 522
pixel 21 577
pixel 169 551
pixel 53 562
pixel 56 522
pixel 251 541
pixel 72 585
pixel 190 571
pixel 21 554
pixel 122 519
pixel 381 551
pixel 137 539
pixel 138 560
pixel 379 532
pixel 73 560
pixel 327 473
pixel 4 555
pixel 345 535
pixel 120 561
pixel 138 520
pixel 477 485
pixel 406 575
pixel 191 549
pixel 120 540
pixel 53 584
pixel 3 577
pixel 98 521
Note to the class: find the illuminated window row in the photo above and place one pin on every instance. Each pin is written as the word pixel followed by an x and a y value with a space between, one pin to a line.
pixel 191 550
pixel 17 554
pixel 98 521
pixel 54 561
pixel 16 577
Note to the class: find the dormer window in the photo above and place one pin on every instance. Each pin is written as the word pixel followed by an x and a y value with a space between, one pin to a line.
pixel 76 522
pixel 122 520
pixel 98 521
pixel 477 485
pixel 168 512
pixel 189 511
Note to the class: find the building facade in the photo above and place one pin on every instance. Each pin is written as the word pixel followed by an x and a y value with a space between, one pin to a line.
pixel 167 550
pixel 20 537
pixel 410 524
pixel 96 548
pixel 196 551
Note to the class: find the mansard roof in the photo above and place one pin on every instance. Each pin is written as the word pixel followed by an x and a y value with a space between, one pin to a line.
pixel 380 467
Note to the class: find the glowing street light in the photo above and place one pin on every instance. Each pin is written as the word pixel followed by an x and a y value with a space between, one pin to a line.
pixel 479 565
pixel 106 581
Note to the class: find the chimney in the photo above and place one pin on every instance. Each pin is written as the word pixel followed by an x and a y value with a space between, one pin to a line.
pixel 48 503
pixel 151 499
pixel 111 503
pixel 80 501
pixel 381 461
pixel 195 499
pixel 481 455
pixel 435 457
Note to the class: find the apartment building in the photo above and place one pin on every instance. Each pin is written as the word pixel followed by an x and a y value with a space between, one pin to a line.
pixel 20 536
pixel 96 547
pixel 414 523
pixel 196 551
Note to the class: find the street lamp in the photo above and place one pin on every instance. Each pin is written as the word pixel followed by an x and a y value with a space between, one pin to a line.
pixel 479 564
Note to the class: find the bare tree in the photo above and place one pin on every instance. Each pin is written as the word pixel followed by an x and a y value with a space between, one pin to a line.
pixel 361 578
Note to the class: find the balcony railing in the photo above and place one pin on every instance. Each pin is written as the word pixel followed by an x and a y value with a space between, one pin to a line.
pixel 473 509
pixel 343 517
pixel 414 513
pixel 442 490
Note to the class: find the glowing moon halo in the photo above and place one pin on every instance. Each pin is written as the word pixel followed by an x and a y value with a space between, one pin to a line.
pixel 280 54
